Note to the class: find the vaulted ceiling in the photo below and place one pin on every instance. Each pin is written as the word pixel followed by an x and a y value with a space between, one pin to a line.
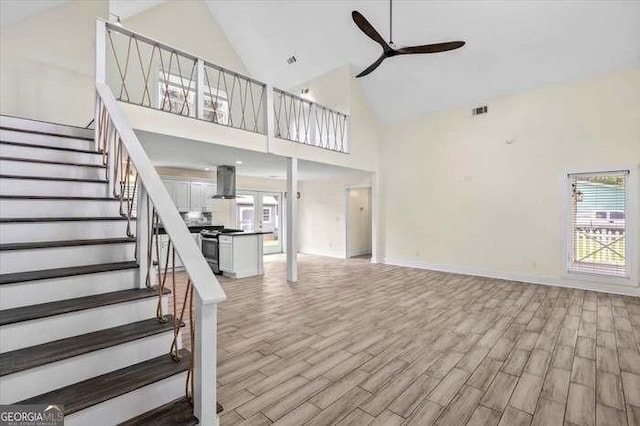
pixel 511 45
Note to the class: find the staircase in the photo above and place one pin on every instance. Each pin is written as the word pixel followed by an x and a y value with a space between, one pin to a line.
pixel 76 326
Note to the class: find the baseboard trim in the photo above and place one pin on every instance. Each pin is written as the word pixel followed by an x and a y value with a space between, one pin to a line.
pixel 360 252
pixel 313 252
pixel 525 278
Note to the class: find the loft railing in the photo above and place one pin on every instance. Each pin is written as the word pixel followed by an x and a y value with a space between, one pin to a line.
pixel 134 181
pixel 301 120
pixel 149 73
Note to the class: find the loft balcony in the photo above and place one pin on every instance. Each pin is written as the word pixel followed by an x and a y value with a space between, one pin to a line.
pixel 147 73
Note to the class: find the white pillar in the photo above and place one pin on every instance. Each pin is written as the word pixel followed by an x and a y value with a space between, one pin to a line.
pixel 269 117
pixel 204 350
pixel 199 89
pixel 292 219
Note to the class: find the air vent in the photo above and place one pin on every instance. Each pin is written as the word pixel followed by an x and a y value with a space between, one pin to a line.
pixel 292 59
pixel 480 110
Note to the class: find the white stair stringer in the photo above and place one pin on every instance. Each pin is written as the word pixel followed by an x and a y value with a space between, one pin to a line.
pixel 35 292
pixel 45 378
pixel 129 405
pixel 37 331
pixel 37 259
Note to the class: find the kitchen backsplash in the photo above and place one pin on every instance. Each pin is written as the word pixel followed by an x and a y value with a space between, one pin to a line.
pixel 197 218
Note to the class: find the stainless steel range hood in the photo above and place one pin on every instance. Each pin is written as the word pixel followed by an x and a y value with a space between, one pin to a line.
pixel 226 182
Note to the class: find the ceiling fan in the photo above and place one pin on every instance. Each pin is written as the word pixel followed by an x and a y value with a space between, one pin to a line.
pixel 388 49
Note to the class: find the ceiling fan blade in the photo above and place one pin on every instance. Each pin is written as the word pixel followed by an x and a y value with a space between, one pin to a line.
pixel 431 48
pixel 368 29
pixel 373 66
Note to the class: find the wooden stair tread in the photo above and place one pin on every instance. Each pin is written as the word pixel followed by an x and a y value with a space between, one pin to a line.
pixel 64 243
pixel 87 393
pixel 56 148
pixel 58 350
pixel 63 219
pixel 65 272
pixel 54 179
pixel 177 412
pixel 60 163
pixel 43 310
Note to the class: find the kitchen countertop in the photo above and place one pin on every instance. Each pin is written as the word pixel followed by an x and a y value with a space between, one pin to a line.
pixel 194 229
pixel 239 234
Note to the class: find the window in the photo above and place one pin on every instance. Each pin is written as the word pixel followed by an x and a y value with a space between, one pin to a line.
pixel 597 226
pixel 178 95
pixel 266 215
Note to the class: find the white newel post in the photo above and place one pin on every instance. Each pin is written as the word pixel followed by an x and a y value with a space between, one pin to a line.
pixel 142 233
pixel 101 72
pixel 270 116
pixel 200 89
pixel 292 219
pixel 204 375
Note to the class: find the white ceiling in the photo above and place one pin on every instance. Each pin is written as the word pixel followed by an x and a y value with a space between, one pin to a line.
pixel 511 45
pixel 166 151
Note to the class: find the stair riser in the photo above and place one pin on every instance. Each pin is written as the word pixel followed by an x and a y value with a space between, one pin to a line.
pixel 58 208
pixel 61 257
pixel 49 154
pixel 45 140
pixel 132 404
pixel 51 290
pixel 26 384
pixel 23 168
pixel 44 127
pixel 52 188
pixel 28 333
pixel 54 231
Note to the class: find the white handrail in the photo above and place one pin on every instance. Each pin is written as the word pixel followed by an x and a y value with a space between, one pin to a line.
pixel 204 281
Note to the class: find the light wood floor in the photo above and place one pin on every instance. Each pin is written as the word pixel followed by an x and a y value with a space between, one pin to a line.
pixel 356 343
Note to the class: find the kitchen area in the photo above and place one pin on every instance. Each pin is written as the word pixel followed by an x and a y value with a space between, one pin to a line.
pixel 233 228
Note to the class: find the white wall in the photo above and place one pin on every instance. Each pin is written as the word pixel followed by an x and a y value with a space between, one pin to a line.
pixel 456 196
pixel 47 63
pixel 321 214
pixel 188 26
pixel 358 221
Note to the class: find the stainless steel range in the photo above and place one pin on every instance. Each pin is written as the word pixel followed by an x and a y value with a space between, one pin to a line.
pixel 211 247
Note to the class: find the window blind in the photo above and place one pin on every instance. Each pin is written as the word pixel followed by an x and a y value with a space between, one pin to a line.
pixel 598 223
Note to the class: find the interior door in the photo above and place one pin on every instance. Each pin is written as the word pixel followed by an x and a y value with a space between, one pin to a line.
pixel 261 211
pixel 270 220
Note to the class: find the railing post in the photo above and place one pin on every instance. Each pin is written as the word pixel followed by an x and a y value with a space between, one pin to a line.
pixel 270 116
pixel 101 72
pixel 142 233
pixel 200 89
pixel 204 371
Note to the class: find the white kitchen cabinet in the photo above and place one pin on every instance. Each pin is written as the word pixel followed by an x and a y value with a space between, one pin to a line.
pixel 201 193
pixel 240 256
pixel 163 242
pixel 180 192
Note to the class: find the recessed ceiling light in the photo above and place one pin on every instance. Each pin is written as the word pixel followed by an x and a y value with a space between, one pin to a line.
pixel 206 169
pixel 238 162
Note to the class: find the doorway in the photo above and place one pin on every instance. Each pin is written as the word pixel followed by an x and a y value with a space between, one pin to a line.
pixel 261 211
pixel 358 221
